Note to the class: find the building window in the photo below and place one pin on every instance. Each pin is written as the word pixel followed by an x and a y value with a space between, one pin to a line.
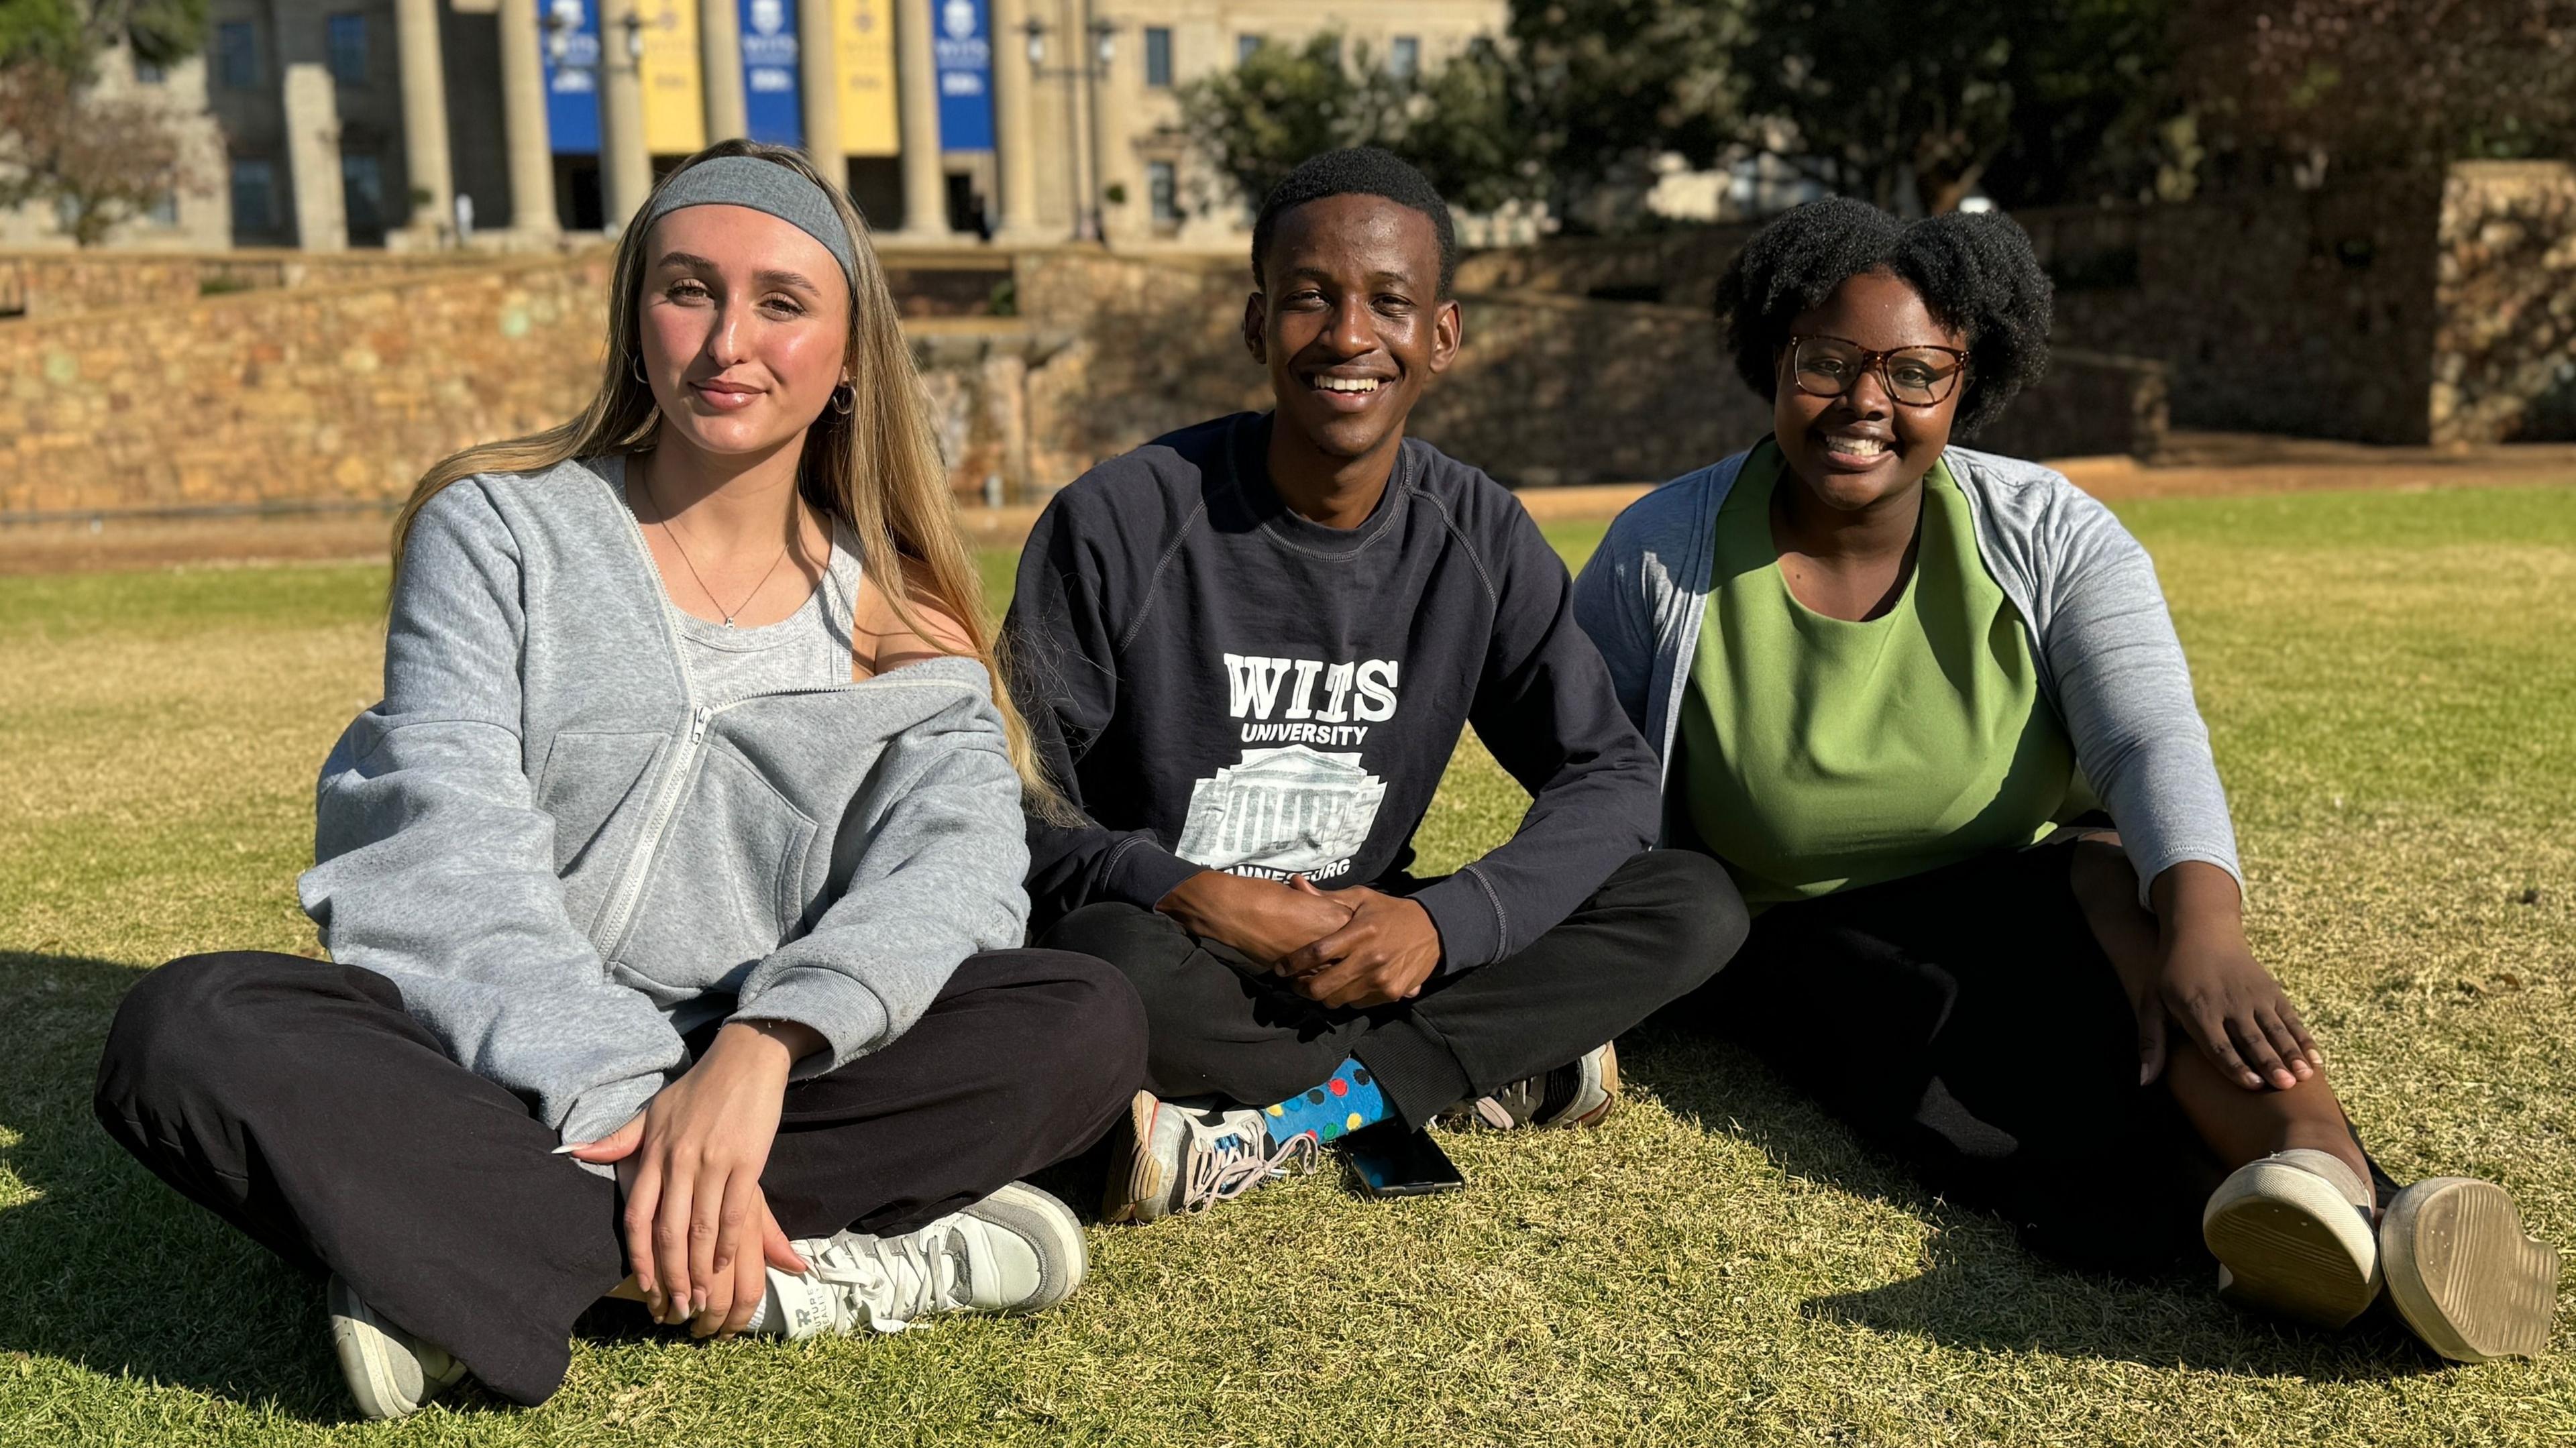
pixel 362 192
pixel 347 38
pixel 148 72
pixel 164 211
pixel 1158 56
pixel 1245 45
pixel 1163 192
pixel 254 196
pixel 1404 57
pixel 236 55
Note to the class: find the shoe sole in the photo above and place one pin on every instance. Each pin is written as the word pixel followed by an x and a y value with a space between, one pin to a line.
pixel 2462 1272
pixel 2292 1245
pixel 1607 1084
pixel 359 1342
pixel 1137 1182
pixel 1039 1218
pixel 1595 1092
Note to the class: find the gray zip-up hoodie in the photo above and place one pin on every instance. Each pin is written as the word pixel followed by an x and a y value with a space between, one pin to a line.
pixel 2108 659
pixel 565 859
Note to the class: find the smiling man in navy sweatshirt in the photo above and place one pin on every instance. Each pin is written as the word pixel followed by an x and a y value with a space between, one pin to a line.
pixel 1249 649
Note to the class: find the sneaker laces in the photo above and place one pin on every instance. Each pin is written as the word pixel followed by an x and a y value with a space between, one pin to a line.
pixel 893 1280
pixel 1223 1166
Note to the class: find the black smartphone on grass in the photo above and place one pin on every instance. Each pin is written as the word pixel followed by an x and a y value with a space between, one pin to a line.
pixel 1391 1161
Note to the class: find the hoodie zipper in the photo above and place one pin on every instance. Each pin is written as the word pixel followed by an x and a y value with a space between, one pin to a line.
pixel 666 801
pixel 666 804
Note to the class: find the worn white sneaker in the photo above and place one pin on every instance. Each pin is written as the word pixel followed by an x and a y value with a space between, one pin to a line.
pixel 1177 1156
pixel 2462 1273
pixel 1018 1250
pixel 390 1372
pixel 2292 1235
pixel 1579 1093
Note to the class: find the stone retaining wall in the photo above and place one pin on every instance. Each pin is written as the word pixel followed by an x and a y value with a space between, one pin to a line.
pixel 59 283
pixel 2504 345
pixel 2386 309
pixel 344 392
pixel 347 392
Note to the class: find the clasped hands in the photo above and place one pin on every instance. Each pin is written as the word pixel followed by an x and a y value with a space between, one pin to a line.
pixel 1354 947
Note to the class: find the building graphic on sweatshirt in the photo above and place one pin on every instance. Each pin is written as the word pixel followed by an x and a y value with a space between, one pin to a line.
pixel 1281 812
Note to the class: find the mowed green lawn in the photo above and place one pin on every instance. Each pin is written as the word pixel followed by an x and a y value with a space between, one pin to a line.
pixel 2392 682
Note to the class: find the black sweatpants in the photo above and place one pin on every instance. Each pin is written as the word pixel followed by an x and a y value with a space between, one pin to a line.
pixel 1966 1021
pixel 1221 1024
pixel 295 1099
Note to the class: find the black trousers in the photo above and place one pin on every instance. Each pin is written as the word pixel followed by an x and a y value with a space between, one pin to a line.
pixel 1966 1022
pixel 295 1099
pixel 1220 1024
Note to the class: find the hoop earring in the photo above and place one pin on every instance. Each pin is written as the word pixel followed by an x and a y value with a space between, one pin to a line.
pixel 635 365
pixel 845 398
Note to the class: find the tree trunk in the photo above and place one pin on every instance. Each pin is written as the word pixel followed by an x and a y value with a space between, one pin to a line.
pixel 1943 192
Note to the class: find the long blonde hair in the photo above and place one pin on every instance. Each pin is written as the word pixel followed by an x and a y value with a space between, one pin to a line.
pixel 876 468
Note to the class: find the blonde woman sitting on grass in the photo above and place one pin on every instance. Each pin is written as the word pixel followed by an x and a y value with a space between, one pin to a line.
pixel 672 892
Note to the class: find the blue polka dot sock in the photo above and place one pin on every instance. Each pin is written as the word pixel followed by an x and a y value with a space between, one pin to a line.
pixel 1348 1100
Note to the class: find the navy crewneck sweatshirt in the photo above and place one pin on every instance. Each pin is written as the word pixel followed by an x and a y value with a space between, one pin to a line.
pixel 1222 683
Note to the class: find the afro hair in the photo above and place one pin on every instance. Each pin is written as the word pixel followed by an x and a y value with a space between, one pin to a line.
pixel 1974 270
pixel 1359 171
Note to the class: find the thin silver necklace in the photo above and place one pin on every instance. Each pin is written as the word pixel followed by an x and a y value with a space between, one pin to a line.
pixel 795 528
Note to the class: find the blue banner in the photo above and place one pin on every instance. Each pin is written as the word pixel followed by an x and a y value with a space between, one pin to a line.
pixel 568 38
pixel 963 45
pixel 771 108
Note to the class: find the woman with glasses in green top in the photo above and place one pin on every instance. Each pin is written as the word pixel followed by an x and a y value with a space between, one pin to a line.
pixel 1880 669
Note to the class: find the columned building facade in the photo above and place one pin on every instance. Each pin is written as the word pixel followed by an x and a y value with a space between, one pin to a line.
pixel 429 123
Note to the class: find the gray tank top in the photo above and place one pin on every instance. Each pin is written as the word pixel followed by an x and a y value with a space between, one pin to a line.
pixel 809 648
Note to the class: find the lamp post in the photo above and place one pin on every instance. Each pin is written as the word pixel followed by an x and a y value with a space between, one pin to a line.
pixel 1089 68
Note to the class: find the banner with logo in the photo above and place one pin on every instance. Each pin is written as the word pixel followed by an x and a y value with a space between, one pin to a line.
pixel 772 108
pixel 962 44
pixel 568 38
pixel 675 103
pixel 863 54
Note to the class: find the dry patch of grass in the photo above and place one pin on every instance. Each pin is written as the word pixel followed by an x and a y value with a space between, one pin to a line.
pixel 2391 681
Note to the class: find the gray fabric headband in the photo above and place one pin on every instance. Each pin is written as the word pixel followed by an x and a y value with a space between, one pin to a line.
pixel 762 186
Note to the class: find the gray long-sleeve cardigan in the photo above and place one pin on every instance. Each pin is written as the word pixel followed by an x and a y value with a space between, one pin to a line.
pixel 565 858
pixel 2108 659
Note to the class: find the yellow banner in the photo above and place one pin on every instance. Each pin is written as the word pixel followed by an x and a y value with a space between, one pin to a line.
pixel 863 55
pixel 675 107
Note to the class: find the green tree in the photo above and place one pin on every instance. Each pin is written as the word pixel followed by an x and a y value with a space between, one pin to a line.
pixel 2303 85
pixel 67 35
pixel 1459 122
pixel 41 32
pixel 99 160
pixel 1613 84
pixel 1879 96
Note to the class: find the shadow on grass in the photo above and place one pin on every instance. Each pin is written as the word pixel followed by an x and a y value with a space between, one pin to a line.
pixel 108 1268
pixel 1980 1288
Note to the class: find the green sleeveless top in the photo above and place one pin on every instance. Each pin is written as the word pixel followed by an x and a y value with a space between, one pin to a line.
pixel 1816 753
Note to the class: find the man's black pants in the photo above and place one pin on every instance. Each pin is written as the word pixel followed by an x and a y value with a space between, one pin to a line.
pixel 295 1099
pixel 1221 1024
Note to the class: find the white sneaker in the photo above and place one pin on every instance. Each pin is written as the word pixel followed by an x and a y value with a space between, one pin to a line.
pixel 2292 1234
pixel 1174 1156
pixel 2462 1273
pixel 1017 1250
pixel 390 1372
pixel 1579 1093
